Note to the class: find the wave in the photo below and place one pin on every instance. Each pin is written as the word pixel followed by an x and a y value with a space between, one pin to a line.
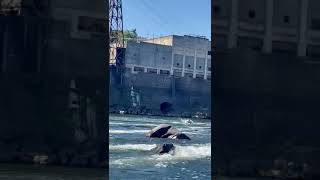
pixel 111 131
pixel 190 152
pixel 134 124
pixel 195 151
pixel 124 147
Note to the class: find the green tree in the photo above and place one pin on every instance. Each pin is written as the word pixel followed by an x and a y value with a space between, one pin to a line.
pixel 130 34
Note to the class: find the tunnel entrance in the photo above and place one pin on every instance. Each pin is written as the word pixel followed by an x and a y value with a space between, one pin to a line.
pixel 165 107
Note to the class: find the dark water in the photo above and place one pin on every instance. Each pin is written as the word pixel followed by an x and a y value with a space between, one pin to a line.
pixel 129 158
pixel 33 172
pixel 237 178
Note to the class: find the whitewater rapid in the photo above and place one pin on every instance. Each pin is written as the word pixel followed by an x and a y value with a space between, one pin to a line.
pixel 129 149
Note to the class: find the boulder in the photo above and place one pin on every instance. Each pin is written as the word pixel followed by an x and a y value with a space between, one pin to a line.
pixel 179 136
pixel 166 131
pixel 163 148
pixel 40 159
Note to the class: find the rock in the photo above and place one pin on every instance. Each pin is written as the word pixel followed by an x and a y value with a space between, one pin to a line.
pixel 166 131
pixel 163 148
pixel 179 136
pixel 40 159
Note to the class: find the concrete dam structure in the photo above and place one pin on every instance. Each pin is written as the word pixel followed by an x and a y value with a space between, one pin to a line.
pixel 53 77
pixel 266 84
pixel 174 70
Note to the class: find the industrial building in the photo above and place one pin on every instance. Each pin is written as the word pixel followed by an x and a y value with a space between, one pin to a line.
pixel 268 26
pixel 175 55
pixel 173 70
pixel 53 73
pixel 266 82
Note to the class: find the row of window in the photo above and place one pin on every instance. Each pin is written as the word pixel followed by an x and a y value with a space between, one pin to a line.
pixel 251 14
pixel 209 53
pixel 189 66
pixel 314 23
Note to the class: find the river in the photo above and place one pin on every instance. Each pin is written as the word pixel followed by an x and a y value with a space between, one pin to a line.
pixel 128 146
pixel 34 172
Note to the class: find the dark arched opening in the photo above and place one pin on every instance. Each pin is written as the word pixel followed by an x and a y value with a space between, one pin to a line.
pixel 165 107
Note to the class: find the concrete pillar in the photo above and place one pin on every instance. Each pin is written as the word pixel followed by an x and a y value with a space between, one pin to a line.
pixel 5 49
pixel 158 71
pixel 267 41
pixel 302 46
pixel 206 66
pixel 195 63
pixel 132 69
pixel 172 61
pixel 232 38
pixel 183 62
pixel 145 69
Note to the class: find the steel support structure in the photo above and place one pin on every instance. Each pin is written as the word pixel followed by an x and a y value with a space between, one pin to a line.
pixel 115 32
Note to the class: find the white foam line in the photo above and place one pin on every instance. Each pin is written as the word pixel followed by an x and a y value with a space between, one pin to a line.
pixel 127 131
pixel 124 147
pixel 191 152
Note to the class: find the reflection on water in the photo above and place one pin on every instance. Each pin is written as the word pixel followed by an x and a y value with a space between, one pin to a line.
pixel 32 172
pixel 129 157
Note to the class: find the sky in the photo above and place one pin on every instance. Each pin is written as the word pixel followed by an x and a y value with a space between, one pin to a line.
pixel 153 18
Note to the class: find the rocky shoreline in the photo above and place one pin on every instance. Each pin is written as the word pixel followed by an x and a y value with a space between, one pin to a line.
pixel 143 111
pixel 299 164
pixel 83 156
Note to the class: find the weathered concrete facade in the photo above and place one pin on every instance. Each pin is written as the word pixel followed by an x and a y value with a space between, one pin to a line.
pixel 266 85
pixel 169 69
pixel 177 55
pixel 51 60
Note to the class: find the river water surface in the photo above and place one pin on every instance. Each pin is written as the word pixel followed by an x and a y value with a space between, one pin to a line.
pixel 34 172
pixel 129 157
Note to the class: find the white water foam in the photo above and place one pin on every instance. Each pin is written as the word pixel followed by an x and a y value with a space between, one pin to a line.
pixel 191 152
pixel 117 123
pixel 161 165
pixel 111 131
pixel 124 147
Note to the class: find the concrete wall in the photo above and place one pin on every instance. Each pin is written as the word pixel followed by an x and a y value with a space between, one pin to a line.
pixel 93 6
pixel 41 59
pixel 292 7
pixel 191 42
pixel 292 26
pixel 167 40
pixel 185 93
pixel 84 18
pixel 264 101
pixel 256 7
pixel 147 54
pixel 154 56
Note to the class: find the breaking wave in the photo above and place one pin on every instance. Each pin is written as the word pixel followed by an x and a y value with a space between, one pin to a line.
pixel 124 147
pixel 191 152
pixel 111 131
